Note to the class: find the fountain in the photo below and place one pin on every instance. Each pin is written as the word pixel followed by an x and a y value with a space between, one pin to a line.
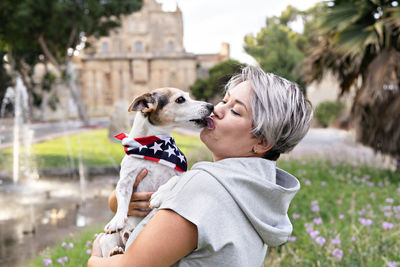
pixel 38 212
pixel 8 99
pixel 22 129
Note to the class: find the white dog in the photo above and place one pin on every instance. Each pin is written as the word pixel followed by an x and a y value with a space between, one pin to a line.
pixel 160 111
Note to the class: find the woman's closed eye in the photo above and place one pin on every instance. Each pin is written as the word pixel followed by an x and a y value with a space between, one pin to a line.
pixel 235 113
pixel 223 101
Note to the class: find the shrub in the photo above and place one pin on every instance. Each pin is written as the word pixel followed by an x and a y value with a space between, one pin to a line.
pixel 327 112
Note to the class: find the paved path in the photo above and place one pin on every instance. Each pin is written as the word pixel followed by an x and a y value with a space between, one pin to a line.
pixel 338 145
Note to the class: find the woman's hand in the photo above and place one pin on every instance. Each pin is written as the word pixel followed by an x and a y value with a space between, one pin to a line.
pixel 96 250
pixel 140 201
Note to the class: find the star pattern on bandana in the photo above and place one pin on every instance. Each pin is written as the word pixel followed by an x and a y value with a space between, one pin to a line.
pixel 161 149
pixel 156 147
pixel 170 151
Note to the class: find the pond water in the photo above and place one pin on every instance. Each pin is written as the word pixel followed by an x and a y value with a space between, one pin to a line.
pixel 41 213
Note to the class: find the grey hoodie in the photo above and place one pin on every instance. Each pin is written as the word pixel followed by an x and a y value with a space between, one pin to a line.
pixel 239 206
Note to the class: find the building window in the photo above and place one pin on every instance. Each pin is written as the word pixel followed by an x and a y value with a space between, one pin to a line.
pixel 170 46
pixel 138 47
pixel 105 48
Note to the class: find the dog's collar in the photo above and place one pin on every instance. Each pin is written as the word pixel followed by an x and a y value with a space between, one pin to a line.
pixel 158 148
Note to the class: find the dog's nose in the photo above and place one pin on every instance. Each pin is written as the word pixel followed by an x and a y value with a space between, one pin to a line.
pixel 210 107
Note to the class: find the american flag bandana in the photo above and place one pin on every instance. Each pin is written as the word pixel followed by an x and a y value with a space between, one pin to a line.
pixel 158 148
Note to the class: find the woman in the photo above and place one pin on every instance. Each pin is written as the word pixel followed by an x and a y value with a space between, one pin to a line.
pixel 227 212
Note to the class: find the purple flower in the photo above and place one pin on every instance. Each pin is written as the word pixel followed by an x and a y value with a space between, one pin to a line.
pixel 70 245
pixel 341 216
pixel 314 234
pixel 388 214
pixel 65 259
pixel 323 183
pixel 387 226
pixel 60 260
pixel 309 227
pixel 353 239
pixel 315 208
pixel 320 240
pixel 338 253
pixel 89 243
pixel 292 239
pixel 317 220
pixel 371 184
pixel 365 222
pixel 47 262
pixel 336 241
pixel 314 203
pixel 391 264
pixel 387 208
pixel 295 216
pixel 64 245
pixel 389 200
pixel 89 251
pixel 396 208
pixel 308 182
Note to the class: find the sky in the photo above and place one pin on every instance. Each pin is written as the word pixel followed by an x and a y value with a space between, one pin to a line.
pixel 208 23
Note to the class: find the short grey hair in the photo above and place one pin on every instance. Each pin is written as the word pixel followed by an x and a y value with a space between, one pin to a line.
pixel 281 113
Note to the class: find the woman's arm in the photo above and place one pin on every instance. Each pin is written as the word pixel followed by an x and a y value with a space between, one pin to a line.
pixel 139 200
pixel 167 238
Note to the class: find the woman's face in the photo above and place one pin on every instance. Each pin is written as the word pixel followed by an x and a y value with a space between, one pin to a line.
pixel 230 132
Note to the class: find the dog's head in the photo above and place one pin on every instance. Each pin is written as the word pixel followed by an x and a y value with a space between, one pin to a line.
pixel 172 107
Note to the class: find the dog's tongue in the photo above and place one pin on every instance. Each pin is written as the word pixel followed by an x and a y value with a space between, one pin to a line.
pixel 210 123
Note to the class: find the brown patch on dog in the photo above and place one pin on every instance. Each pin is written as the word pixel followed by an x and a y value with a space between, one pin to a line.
pixel 116 251
pixel 144 103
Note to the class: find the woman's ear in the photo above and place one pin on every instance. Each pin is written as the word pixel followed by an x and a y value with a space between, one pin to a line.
pixel 261 147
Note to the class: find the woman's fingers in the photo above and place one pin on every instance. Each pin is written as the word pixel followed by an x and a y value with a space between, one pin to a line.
pixel 139 205
pixel 137 196
pixel 138 213
pixel 139 178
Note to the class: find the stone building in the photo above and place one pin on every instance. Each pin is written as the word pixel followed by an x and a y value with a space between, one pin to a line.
pixel 146 52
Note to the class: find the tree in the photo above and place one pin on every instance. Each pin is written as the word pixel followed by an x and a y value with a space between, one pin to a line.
pixel 279 49
pixel 359 43
pixel 55 29
pixel 212 87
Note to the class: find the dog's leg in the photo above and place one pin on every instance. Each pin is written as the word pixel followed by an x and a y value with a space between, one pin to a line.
pixel 123 193
pixel 109 244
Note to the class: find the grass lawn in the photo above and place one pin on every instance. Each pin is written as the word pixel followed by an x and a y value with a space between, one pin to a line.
pixel 343 215
pixel 95 148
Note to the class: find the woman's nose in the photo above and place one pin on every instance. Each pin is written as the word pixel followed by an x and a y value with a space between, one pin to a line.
pixel 218 111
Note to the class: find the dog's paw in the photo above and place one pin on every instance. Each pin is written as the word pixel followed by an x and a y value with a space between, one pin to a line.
pixel 116 251
pixel 156 200
pixel 116 224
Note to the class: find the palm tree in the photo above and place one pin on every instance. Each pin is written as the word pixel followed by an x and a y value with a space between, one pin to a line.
pixel 359 43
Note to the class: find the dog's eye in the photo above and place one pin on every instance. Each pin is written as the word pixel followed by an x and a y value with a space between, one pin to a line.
pixel 180 100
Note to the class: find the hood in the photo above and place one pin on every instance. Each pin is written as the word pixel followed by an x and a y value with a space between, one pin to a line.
pixel 262 191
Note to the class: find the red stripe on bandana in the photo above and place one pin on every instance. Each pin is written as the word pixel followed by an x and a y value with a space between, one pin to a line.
pixel 178 169
pixel 146 140
pixel 151 158
pixel 120 136
pixel 141 140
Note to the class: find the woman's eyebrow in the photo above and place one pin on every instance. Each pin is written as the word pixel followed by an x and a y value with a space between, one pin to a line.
pixel 238 101
pixel 241 103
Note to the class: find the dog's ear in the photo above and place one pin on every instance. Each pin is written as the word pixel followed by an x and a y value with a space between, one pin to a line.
pixel 145 103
